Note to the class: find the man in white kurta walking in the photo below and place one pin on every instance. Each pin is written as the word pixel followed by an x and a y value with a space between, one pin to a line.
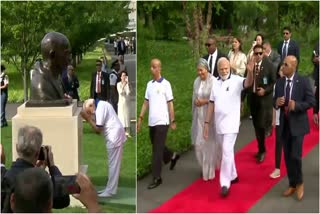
pixel 225 101
pixel 108 123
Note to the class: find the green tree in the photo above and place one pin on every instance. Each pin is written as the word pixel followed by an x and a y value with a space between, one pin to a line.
pixel 25 23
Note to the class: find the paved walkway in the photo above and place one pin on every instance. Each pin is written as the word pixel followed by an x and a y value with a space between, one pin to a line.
pixel 187 171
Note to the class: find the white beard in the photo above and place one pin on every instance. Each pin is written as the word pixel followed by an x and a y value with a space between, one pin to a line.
pixel 224 77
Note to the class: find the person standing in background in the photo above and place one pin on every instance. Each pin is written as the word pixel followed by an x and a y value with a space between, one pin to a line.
pixel 288 46
pixel 213 55
pixel 124 101
pixel 278 147
pixel 4 81
pixel 271 54
pixel 238 59
pixel 100 86
pixel 258 40
pixel 315 60
pixel 71 83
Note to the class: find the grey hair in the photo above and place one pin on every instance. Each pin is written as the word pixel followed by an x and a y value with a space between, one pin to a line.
pixel 220 60
pixel 203 63
pixel 29 142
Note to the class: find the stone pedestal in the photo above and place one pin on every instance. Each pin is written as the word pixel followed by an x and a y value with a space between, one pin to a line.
pixel 61 129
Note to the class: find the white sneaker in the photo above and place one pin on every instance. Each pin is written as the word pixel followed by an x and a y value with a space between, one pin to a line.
pixel 105 194
pixel 101 191
pixel 275 174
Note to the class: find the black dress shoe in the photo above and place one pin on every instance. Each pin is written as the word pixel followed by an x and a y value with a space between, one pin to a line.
pixel 257 155
pixel 261 157
pixel 174 161
pixel 156 182
pixel 224 191
pixel 236 180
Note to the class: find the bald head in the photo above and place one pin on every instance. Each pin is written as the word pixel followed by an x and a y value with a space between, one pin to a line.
pixel 89 106
pixel 155 68
pixel 55 47
pixel 289 66
pixel 223 67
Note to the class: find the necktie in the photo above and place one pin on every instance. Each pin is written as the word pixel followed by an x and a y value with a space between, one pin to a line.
pixel 210 64
pixel 99 83
pixel 256 73
pixel 284 51
pixel 288 87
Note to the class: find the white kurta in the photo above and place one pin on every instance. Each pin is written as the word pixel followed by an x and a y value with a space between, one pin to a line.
pixel 226 97
pixel 124 104
pixel 115 137
pixel 207 152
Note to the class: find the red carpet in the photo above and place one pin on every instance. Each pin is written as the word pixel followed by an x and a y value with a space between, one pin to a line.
pixel 203 196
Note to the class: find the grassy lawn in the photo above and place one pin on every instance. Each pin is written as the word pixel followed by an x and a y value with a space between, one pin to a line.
pixel 94 151
pixel 179 67
pixel 83 71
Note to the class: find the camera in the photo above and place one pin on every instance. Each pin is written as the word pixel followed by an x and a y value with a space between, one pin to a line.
pixel 43 150
pixel 66 184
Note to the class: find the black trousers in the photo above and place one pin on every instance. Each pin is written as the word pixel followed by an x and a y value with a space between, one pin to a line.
pixel 278 151
pixel 292 147
pixel 160 152
pixel 261 136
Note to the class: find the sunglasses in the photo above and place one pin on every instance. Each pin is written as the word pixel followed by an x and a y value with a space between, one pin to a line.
pixel 98 64
pixel 208 45
pixel 285 33
pixel 258 53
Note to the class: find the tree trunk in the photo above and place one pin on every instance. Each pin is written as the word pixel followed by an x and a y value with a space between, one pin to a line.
pixel 74 60
pixel 78 59
pixel 209 17
pixel 187 20
pixel 25 78
pixel 196 33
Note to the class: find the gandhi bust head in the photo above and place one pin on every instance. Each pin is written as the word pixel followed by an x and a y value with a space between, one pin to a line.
pixel 46 82
pixel 55 50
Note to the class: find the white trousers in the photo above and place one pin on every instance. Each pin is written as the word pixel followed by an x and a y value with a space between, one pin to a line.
pixel 228 170
pixel 114 162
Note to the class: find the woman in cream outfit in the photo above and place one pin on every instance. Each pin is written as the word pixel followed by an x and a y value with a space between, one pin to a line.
pixel 207 152
pixel 124 101
pixel 238 60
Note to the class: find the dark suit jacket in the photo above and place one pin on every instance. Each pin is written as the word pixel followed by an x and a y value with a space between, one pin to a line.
pixel 219 55
pixel 105 87
pixel 275 59
pixel 293 49
pixel 71 86
pixel 121 51
pixel 304 98
pixel 261 106
pixel 59 200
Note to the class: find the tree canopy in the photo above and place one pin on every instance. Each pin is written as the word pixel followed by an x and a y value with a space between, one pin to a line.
pixel 84 22
pixel 196 20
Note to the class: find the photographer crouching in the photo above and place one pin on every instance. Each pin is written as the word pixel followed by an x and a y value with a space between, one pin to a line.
pixel 31 154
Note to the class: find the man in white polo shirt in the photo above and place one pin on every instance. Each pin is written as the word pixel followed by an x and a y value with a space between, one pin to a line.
pixel 108 123
pixel 159 99
pixel 225 101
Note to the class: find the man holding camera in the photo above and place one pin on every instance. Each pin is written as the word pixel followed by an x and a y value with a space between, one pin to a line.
pixel 30 151
pixel 33 192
